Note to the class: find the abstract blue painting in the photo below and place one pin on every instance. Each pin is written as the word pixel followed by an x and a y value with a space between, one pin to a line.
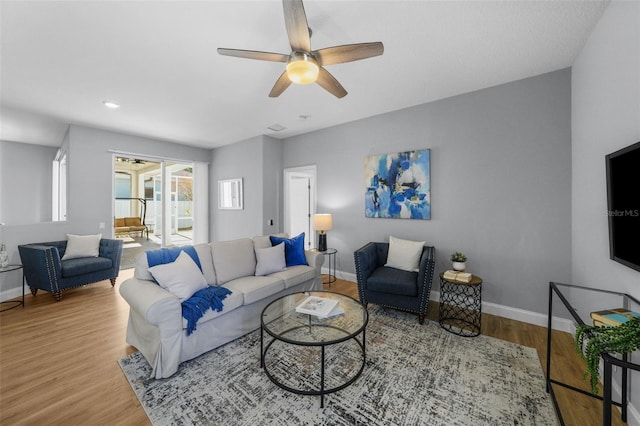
pixel 398 185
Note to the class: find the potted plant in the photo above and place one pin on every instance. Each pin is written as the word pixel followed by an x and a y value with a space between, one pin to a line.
pixel 622 339
pixel 459 259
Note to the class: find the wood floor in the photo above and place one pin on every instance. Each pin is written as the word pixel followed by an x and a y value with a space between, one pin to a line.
pixel 58 360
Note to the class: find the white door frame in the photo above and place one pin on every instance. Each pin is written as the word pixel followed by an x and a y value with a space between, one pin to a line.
pixel 309 171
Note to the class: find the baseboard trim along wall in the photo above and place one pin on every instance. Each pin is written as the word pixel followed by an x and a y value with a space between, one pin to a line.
pixel 517 314
pixel 12 293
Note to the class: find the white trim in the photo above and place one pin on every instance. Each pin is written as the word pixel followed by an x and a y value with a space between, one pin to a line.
pixel 151 157
pixel 529 317
pixel 311 172
pixel 12 293
pixel 200 213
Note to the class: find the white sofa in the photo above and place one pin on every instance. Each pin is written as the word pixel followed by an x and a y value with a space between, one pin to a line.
pixel 156 326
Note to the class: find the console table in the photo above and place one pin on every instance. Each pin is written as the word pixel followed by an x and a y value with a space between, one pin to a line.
pixel 577 301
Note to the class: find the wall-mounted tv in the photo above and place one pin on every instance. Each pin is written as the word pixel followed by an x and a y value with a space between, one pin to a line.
pixel 623 204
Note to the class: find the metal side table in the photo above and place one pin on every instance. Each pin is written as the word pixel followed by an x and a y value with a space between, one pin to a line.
pixel 16 303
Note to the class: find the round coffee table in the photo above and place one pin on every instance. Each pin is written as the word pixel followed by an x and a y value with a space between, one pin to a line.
pixel 323 354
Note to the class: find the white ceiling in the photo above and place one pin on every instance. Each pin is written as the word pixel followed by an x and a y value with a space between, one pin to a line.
pixel 61 59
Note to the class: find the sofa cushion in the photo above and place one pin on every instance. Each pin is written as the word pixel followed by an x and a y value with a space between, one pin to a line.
pixel 404 254
pixel 84 265
pixel 293 249
pixel 231 302
pixel 82 246
pixel 263 241
pixel 270 260
pixel 170 254
pixel 295 275
pixel 393 281
pixel 206 262
pixel 233 259
pixel 255 288
pixel 142 267
pixel 181 277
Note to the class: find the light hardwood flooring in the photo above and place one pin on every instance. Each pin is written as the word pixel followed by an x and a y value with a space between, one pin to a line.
pixel 58 360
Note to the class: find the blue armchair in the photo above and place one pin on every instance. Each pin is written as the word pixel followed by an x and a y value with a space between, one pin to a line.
pixel 44 270
pixel 390 287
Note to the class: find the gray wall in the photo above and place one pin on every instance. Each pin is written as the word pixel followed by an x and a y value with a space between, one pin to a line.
pixel 25 177
pixel 258 161
pixel 605 118
pixel 90 174
pixel 500 183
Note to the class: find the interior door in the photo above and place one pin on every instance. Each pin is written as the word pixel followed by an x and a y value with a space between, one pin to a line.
pixel 300 203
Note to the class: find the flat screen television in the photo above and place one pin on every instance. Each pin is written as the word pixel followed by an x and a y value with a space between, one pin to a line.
pixel 623 204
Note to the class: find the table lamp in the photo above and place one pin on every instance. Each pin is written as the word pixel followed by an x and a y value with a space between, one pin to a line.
pixel 322 222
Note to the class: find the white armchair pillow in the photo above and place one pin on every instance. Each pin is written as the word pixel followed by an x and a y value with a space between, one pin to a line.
pixel 404 254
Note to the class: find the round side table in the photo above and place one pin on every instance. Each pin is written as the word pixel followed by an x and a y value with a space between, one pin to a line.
pixel 330 253
pixel 461 306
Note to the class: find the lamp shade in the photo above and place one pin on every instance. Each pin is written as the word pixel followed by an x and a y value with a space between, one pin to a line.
pixel 302 68
pixel 322 222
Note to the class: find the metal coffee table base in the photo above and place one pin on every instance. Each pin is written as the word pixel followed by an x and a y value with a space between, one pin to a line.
pixel 322 391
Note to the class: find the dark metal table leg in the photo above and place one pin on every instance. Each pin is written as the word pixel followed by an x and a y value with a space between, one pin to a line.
pixel 322 380
pixel 606 393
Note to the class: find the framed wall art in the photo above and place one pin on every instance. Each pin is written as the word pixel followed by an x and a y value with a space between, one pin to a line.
pixel 230 194
pixel 398 185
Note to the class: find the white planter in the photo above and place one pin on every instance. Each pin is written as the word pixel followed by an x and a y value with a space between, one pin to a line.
pixel 459 266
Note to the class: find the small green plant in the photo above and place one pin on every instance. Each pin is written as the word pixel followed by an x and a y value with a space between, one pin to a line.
pixel 622 339
pixel 458 257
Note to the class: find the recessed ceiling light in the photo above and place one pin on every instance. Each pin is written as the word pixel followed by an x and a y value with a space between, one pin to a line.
pixel 276 127
pixel 111 104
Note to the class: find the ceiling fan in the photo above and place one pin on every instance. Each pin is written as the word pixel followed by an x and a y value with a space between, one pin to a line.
pixel 305 66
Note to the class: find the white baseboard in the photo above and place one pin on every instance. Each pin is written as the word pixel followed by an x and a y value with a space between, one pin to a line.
pixel 517 314
pixel 12 293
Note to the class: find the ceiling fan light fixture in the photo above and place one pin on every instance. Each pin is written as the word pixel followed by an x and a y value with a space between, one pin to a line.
pixel 302 68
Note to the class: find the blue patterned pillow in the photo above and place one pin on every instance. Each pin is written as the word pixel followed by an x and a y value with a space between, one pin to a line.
pixel 293 249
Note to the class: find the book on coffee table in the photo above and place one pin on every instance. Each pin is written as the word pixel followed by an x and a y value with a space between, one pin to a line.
pixel 337 310
pixel 319 306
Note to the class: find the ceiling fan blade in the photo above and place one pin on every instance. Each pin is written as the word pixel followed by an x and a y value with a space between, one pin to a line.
pixel 254 54
pixel 330 84
pixel 348 53
pixel 281 85
pixel 297 26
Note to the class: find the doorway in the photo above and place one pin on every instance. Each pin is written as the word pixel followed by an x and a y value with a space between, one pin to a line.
pixel 159 193
pixel 300 202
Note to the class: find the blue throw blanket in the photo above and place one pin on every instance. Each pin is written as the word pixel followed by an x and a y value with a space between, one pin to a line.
pixel 168 255
pixel 197 305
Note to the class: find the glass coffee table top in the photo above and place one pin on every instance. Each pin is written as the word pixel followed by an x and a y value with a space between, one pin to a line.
pixel 281 320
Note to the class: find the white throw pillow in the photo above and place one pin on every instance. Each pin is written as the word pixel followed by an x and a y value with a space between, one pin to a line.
pixel 270 260
pixel 404 254
pixel 181 277
pixel 82 246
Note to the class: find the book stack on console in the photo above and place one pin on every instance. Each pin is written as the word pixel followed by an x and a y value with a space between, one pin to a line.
pixel 463 277
pixel 321 307
pixel 613 317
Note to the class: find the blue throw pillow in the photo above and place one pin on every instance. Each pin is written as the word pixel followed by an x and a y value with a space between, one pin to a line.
pixel 293 249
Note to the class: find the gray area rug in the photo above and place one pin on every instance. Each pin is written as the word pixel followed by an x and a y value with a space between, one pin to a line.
pixel 414 375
